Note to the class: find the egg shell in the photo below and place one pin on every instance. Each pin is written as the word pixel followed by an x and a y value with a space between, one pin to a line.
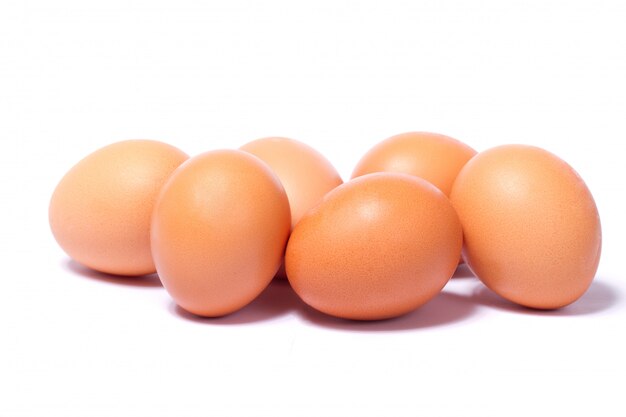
pixel 532 229
pixel 305 173
pixel 434 157
pixel 376 247
pixel 219 231
pixel 100 211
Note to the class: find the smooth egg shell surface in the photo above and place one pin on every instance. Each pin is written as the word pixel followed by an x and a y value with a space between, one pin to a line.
pixel 219 231
pixel 434 157
pixel 376 247
pixel 531 226
pixel 100 211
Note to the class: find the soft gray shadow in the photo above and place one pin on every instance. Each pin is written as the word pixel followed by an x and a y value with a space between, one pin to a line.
pixel 599 297
pixel 463 271
pixel 446 308
pixel 147 281
pixel 276 300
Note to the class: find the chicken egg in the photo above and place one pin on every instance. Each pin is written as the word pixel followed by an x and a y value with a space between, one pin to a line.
pixel 376 247
pixel 532 229
pixel 219 230
pixel 305 173
pixel 434 157
pixel 100 211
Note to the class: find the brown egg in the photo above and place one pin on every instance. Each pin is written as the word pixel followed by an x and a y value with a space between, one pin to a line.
pixel 376 247
pixel 219 231
pixel 532 231
pixel 305 173
pixel 431 156
pixel 100 211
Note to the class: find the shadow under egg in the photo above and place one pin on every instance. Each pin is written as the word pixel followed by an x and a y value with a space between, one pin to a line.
pixel 277 300
pixel 599 297
pixel 145 281
pixel 445 309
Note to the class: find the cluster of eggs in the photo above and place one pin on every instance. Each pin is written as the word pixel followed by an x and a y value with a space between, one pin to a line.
pixel 218 227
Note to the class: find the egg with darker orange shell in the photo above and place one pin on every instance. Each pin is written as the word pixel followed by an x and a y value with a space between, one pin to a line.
pixel 306 174
pixel 100 211
pixel 532 229
pixel 219 230
pixel 376 247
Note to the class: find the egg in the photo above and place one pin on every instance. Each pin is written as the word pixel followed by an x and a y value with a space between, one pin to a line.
pixel 532 229
pixel 100 211
pixel 434 157
pixel 305 173
pixel 219 230
pixel 376 247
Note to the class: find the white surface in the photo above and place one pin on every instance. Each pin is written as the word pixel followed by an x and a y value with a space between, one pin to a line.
pixel 341 76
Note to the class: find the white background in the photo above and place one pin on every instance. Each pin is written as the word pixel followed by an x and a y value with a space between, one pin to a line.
pixel 340 76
